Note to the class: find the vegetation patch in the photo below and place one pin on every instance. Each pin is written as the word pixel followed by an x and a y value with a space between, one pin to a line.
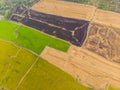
pixel 45 76
pixel 29 38
pixel 14 62
pixel 111 88
pixel 22 70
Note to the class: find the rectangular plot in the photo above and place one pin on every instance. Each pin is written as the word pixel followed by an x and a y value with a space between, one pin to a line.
pixel 29 38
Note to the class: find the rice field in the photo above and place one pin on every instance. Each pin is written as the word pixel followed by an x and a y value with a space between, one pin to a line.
pixel 23 70
pixel 14 62
pixel 29 38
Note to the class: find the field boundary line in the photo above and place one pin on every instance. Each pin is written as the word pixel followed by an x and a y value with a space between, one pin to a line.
pixel 88 30
pixel 18 46
pixel 17 53
pixel 26 73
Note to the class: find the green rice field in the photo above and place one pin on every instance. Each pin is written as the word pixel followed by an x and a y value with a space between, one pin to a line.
pixel 29 38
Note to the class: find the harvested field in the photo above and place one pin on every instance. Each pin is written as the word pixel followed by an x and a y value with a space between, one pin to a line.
pixel 78 11
pixel 107 18
pixel 104 41
pixel 65 9
pixel 88 68
pixel 72 30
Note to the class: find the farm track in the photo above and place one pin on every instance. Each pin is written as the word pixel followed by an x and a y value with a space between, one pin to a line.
pixel 85 66
pixel 16 88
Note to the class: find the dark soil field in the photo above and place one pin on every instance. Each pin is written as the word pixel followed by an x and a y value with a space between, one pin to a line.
pixel 72 30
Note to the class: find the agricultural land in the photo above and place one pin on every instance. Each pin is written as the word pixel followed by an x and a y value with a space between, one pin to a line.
pixel 19 69
pixel 60 45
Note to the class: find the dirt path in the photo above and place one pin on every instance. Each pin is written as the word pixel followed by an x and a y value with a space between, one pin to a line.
pixel 88 68
pixel 26 74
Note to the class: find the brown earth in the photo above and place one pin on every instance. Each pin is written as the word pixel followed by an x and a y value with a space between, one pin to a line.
pixel 107 18
pixel 66 9
pixel 79 11
pixel 104 41
pixel 88 68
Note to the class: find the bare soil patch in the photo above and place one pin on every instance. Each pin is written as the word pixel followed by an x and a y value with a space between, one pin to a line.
pixel 107 18
pixel 88 68
pixel 65 9
pixel 79 11
pixel 104 41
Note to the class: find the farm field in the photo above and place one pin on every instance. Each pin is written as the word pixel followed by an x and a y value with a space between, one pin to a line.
pixel 104 41
pixel 111 88
pixel 60 45
pixel 29 38
pixel 78 11
pixel 69 29
pixel 45 76
pixel 61 8
pixel 107 18
pixel 88 68
pixel 105 29
pixel 15 64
